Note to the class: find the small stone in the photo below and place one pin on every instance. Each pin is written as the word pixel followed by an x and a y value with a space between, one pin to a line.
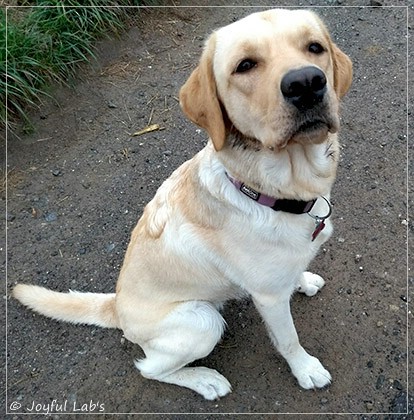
pixel 121 373
pixel 380 382
pixel 112 105
pixel 341 240
pixel 110 247
pixel 358 258
pixel 380 324
pixel 369 405
pixel 324 401
pixel 370 364
pixel 50 217
pixel 56 172
pixel 10 217
pixel 397 385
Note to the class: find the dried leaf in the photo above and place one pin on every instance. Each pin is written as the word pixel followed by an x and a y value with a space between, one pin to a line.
pixel 149 129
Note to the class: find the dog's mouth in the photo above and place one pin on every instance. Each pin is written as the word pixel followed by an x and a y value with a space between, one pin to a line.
pixel 310 129
pixel 313 125
pixel 313 131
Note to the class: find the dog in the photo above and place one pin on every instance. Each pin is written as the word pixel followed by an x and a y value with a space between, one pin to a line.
pixel 243 217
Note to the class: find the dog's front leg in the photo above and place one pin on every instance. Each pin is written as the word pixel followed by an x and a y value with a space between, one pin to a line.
pixel 307 369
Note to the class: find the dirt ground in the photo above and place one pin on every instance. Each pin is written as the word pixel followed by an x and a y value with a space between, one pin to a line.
pixel 79 182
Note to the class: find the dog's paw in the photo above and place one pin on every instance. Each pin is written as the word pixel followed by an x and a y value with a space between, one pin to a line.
pixel 310 372
pixel 209 383
pixel 310 283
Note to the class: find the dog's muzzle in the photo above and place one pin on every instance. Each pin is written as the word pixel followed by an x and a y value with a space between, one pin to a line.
pixel 305 90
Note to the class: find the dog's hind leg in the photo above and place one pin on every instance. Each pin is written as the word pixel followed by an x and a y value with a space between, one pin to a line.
pixel 188 333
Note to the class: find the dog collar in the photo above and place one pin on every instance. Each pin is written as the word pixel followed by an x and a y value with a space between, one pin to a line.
pixel 288 206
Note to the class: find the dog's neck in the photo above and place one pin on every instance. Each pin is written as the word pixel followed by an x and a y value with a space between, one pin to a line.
pixel 297 172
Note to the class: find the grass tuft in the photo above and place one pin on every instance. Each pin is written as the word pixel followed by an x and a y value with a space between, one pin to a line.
pixel 45 43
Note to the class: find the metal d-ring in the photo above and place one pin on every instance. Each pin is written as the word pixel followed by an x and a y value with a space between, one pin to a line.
pixel 322 218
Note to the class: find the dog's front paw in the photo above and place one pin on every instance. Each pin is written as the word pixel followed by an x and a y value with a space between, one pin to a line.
pixel 310 283
pixel 309 372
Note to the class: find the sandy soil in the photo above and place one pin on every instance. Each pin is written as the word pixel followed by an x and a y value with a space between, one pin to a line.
pixel 78 184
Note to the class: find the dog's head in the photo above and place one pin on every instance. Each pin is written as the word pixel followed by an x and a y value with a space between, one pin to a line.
pixel 274 76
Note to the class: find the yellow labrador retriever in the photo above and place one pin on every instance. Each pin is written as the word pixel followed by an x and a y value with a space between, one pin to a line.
pixel 245 216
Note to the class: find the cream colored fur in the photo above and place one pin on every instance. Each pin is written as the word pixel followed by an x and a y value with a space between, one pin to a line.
pixel 200 241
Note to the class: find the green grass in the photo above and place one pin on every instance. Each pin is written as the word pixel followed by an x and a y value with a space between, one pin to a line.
pixel 45 43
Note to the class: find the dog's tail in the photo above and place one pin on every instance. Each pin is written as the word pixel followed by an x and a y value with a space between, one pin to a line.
pixel 75 307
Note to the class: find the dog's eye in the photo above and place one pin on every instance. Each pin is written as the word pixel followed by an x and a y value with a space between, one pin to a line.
pixel 246 65
pixel 316 48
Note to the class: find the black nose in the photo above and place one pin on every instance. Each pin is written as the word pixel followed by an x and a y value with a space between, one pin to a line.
pixel 304 87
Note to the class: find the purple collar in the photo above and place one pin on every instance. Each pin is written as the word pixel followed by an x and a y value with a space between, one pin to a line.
pixel 289 206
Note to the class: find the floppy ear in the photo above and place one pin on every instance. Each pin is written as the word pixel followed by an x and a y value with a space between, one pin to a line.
pixel 198 97
pixel 342 66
